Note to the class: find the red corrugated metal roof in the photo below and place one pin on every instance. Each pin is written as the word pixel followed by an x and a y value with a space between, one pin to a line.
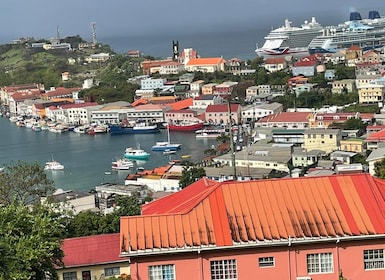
pixel 377 136
pixel 91 250
pixel 287 117
pixel 228 213
pixel 182 104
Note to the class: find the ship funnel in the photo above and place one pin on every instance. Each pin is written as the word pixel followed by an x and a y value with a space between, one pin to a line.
pixel 373 14
pixel 355 16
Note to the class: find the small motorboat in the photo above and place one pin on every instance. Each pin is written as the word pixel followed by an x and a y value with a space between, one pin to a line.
pixel 185 156
pixel 168 152
pixel 122 164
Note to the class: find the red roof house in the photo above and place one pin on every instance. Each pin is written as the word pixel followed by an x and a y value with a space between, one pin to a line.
pixel 294 228
pixel 94 257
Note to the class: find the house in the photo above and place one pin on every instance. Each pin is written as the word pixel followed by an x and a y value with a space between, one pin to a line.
pixel 293 228
pixel 285 120
pixel 275 64
pixel 295 81
pixel 207 65
pixel 220 113
pixel 375 140
pixel 153 66
pixel 342 156
pixel 209 88
pixel 376 155
pixel 171 68
pixel 371 93
pixel 260 93
pixel 353 144
pixel 93 257
pixel 301 157
pixel 327 140
pixel 325 120
pixel 288 136
pixel 251 113
pixel 305 67
pixel 343 86
pixel 204 100
pixel 307 87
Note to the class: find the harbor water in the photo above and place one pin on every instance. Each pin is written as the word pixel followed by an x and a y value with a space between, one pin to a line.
pixel 87 159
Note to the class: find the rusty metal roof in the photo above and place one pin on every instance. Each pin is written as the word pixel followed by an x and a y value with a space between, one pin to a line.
pixel 209 213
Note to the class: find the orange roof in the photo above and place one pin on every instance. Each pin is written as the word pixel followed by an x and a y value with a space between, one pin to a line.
pixel 206 61
pixel 214 214
pixel 182 104
pixel 139 102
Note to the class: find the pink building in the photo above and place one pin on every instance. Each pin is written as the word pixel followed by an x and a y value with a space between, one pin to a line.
pixel 219 113
pixel 313 228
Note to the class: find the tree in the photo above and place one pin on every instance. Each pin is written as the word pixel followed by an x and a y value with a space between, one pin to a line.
pixel 30 242
pixel 26 182
pixel 379 169
pixel 191 174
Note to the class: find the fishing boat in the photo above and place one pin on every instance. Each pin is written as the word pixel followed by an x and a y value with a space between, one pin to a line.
pixel 166 145
pixel 131 153
pixel 122 164
pixel 185 126
pixel 53 165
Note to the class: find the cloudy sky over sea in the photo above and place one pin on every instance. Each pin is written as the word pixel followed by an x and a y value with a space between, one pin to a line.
pixel 151 25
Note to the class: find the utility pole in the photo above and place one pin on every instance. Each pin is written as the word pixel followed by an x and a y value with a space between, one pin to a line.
pixel 231 140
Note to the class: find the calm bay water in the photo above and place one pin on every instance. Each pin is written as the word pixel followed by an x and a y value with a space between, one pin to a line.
pixel 86 158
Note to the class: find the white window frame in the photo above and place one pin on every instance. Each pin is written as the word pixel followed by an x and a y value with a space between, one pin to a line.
pixel 70 275
pixel 161 272
pixel 266 262
pixel 224 270
pixel 111 271
pixel 319 263
pixel 373 259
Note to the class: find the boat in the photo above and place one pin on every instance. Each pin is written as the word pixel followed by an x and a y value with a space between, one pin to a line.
pixel 365 33
pixel 131 153
pixel 169 152
pixel 122 164
pixel 53 165
pixel 82 129
pixel 166 145
pixel 209 133
pixel 137 128
pixel 185 156
pixel 185 126
pixel 289 40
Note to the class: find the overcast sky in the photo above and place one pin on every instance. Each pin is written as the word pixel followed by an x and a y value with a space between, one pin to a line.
pixel 40 18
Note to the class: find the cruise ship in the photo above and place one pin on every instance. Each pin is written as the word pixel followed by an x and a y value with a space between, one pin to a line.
pixel 366 33
pixel 290 40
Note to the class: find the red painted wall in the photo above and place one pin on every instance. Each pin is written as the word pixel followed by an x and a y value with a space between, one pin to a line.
pixel 290 262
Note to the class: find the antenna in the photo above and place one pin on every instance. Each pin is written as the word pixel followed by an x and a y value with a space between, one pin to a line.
pixel 93 28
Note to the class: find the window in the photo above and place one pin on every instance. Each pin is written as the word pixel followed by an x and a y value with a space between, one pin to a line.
pixel 374 259
pixel 70 276
pixel 161 272
pixel 111 271
pixel 320 263
pixel 224 269
pixel 266 261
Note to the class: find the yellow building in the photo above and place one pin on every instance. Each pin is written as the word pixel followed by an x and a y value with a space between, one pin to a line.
pixel 327 140
pixel 371 93
pixel 356 145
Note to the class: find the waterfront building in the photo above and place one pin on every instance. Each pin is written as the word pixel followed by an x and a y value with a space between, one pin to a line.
pixel 327 140
pixel 93 257
pixel 17 104
pixel 219 114
pixel 76 113
pixel 294 228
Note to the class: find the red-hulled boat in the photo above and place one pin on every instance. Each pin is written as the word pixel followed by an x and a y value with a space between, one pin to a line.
pixel 185 126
